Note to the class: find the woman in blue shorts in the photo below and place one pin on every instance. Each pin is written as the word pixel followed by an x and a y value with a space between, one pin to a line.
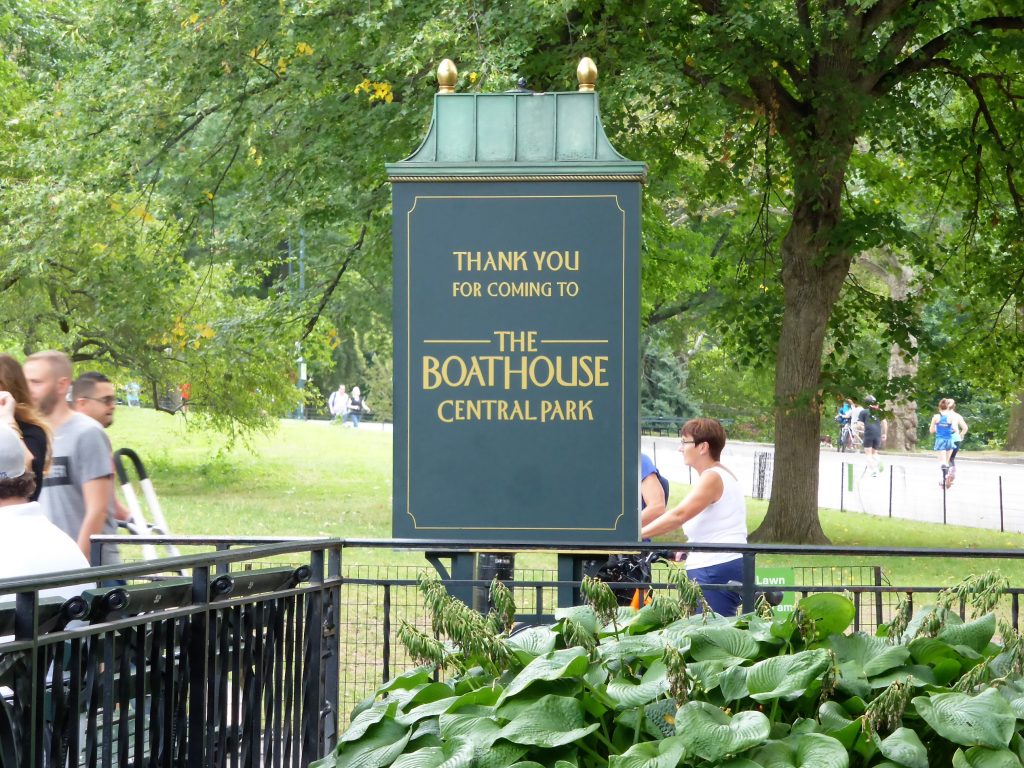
pixel 942 427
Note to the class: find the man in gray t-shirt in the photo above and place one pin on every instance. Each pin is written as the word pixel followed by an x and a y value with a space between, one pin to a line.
pixel 78 492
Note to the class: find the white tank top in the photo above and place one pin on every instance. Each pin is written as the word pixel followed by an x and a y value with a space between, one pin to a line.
pixel 724 522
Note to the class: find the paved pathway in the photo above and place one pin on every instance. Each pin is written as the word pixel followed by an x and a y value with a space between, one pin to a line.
pixel 910 483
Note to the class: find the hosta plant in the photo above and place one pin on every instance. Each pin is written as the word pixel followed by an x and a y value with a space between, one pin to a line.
pixel 660 687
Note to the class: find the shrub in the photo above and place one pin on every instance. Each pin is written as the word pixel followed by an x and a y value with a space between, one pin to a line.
pixel 659 687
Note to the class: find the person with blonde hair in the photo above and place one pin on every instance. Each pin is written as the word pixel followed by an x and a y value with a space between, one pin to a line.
pixel 942 426
pixel 959 432
pixel 28 422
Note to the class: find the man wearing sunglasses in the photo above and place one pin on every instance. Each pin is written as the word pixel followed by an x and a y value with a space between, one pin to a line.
pixel 94 395
pixel 78 492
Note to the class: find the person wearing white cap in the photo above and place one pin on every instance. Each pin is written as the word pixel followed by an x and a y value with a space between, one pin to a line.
pixel 29 543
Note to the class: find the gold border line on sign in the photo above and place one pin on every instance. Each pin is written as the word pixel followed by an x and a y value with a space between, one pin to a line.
pixel 456 341
pixel 408 362
pixel 574 341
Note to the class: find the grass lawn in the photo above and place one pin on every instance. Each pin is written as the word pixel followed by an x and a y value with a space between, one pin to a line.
pixel 316 479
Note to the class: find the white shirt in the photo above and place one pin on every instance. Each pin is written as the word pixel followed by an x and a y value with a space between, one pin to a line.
pixel 30 545
pixel 724 522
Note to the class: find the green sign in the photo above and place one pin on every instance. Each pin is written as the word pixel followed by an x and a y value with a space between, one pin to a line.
pixel 516 323
pixel 516 232
pixel 774 578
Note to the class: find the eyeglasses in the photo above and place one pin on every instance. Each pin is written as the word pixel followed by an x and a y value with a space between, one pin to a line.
pixel 108 400
pixel 690 442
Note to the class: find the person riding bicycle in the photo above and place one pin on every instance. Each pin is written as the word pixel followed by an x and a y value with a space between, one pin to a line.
pixel 843 417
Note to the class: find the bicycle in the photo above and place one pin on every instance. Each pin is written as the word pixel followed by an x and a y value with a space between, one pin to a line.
pixel 850 438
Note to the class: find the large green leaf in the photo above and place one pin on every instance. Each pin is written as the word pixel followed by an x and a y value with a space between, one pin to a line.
pixel 627 693
pixel 709 733
pixel 858 647
pixel 786 677
pixel 904 747
pixel 918 674
pixel 632 647
pixel 379 746
pixel 836 722
pixel 985 720
pixel 362 722
pixel 710 643
pixel 570 662
pixel 549 722
pixel 481 732
pixel 501 755
pixel 433 709
pixel 733 683
pixel 664 753
pixel 708 674
pixel 533 641
pixel 930 651
pixel 831 613
pixel 808 750
pixel 582 614
pixel 455 753
pixel 983 757
pixel 975 634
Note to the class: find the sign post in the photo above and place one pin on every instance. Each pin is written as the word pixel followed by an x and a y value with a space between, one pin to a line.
pixel 516 230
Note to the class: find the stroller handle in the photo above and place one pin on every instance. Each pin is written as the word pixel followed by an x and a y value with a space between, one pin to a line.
pixel 122 475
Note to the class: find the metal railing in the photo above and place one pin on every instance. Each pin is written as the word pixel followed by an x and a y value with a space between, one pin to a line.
pixel 256 675
pixel 234 665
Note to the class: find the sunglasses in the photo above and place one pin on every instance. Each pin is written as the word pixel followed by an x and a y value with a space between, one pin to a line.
pixel 108 400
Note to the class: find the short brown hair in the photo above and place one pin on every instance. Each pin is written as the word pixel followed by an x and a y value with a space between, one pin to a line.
pixel 708 431
pixel 60 364
pixel 19 487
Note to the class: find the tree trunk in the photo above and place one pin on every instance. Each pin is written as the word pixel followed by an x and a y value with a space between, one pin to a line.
pixel 1015 429
pixel 810 293
pixel 902 435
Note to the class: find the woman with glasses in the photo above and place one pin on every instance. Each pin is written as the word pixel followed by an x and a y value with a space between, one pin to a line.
pixel 713 512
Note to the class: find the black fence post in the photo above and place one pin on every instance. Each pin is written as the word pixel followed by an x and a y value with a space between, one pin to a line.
pixel 332 648
pixel 878 596
pixel 198 632
pixel 749 581
pixel 890 490
pixel 312 658
pixel 1002 524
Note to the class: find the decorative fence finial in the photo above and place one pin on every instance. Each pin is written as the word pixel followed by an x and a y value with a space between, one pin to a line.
pixel 586 73
pixel 447 76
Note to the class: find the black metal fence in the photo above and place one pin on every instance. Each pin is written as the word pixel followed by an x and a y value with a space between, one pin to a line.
pixel 234 664
pixel 248 657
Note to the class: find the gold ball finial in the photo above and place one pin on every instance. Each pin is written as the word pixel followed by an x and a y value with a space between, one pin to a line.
pixel 586 73
pixel 447 76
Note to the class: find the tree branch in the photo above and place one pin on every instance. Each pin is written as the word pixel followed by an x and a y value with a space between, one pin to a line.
pixel 312 321
pixel 922 57
pixel 728 93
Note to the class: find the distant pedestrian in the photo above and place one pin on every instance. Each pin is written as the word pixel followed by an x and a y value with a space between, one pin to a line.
pixel 959 432
pixel 355 409
pixel 337 403
pixel 942 426
pixel 875 433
